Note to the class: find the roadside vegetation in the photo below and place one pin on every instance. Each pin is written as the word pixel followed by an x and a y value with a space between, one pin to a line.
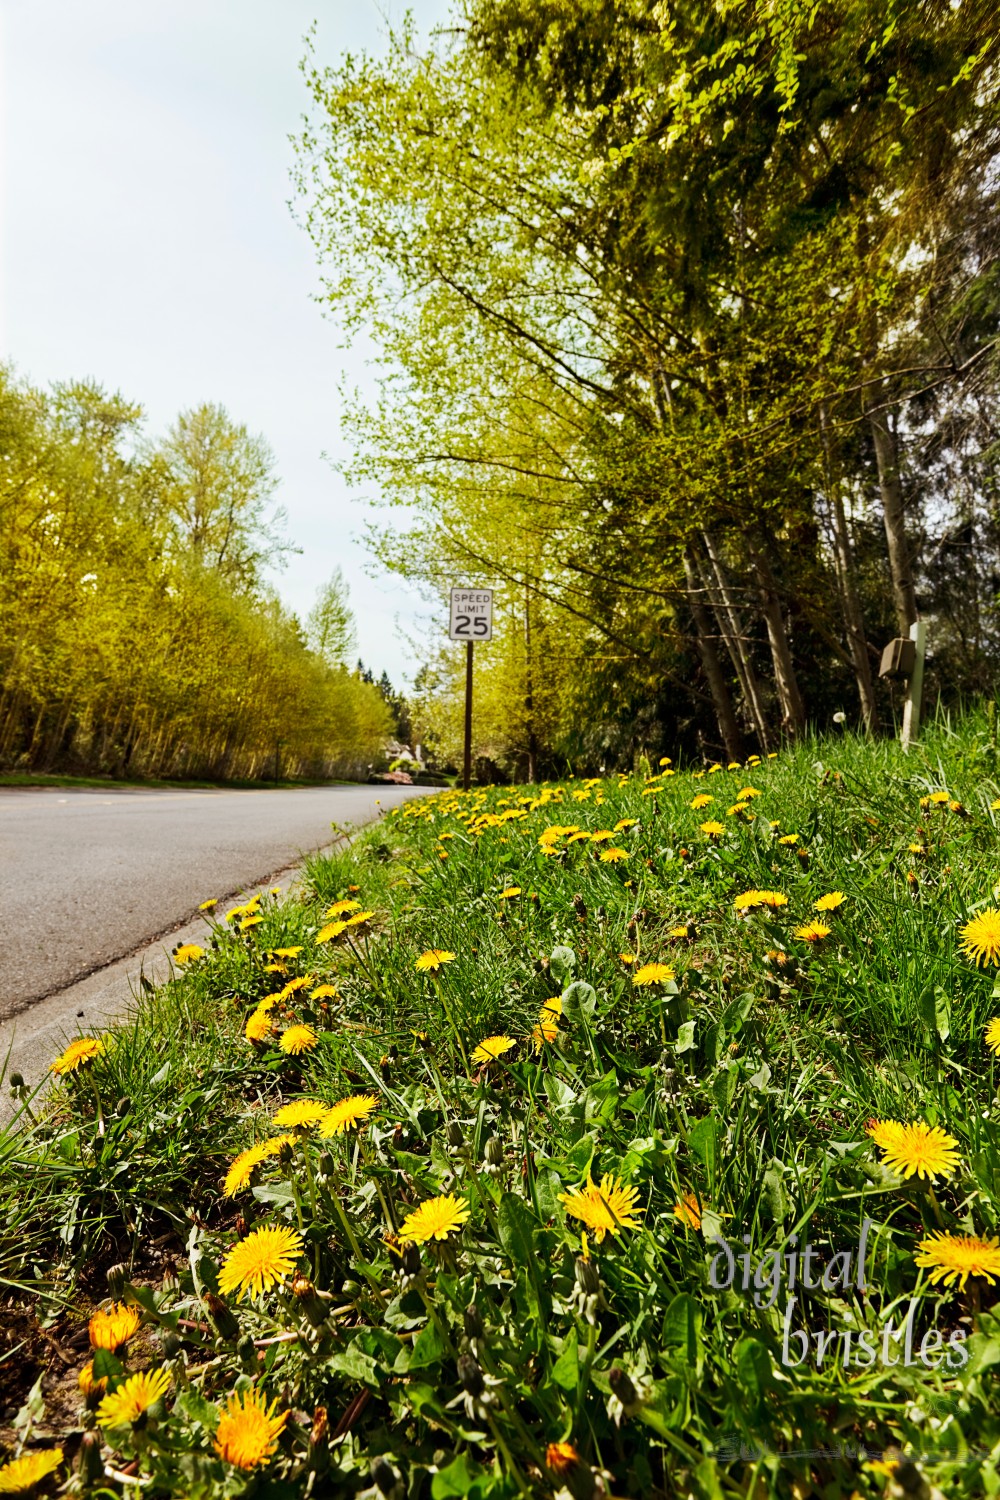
pixel 140 632
pixel 419 1184
pixel 688 333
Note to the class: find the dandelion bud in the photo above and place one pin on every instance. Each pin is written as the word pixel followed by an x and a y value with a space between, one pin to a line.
pixel 319 1447
pixel 325 1164
pixel 385 1067
pixel 309 1300
pixel 471 1376
pixel 247 1351
pixel 115 1277
pixel 170 1343
pixel 222 1316
pixel 123 1107
pixel 579 906
pixel 384 1476
pixel 90 1464
pixel 410 1259
pixel 17 1080
pixel 91 1388
pixel 621 1386
pixel 587 1277
pixel 286 1153
pixel 474 1326
pixel 494 1151
pixel 455 1133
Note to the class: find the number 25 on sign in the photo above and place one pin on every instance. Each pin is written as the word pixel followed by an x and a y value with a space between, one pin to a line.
pixel 471 620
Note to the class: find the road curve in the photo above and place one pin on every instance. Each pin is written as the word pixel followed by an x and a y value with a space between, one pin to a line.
pixel 88 876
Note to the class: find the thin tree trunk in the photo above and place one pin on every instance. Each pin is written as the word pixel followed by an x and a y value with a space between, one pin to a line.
pixel 792 708
pixel 900 560
pixel 732 629
pixel 718 687
pixel 529 695
pixel 850 600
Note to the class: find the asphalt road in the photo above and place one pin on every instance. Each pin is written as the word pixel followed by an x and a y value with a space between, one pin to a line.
pixel 89 876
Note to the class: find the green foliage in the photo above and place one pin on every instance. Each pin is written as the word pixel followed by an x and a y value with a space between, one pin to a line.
pixel 136 634
pixel 744 1086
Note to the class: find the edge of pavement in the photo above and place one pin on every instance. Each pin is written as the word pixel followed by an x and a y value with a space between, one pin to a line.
pixel 31 1039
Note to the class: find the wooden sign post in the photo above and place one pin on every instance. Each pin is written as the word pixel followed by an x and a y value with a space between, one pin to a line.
pixel 471 621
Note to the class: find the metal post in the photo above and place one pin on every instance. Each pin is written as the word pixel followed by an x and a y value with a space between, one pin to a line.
pixel 467 771
pixel 915 687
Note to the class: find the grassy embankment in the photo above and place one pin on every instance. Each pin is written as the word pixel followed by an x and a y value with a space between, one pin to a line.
pixel 548 1342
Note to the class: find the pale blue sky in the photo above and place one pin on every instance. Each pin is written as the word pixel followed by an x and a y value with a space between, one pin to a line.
pixel 145 239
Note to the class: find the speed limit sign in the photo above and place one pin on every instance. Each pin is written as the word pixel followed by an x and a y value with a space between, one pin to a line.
pixel 471 615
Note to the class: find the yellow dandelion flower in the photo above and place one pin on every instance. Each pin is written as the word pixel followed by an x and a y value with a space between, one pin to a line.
pixel 749 900
pixel 323 992
pixel 361 917
pixel 995 806
pixel 688 1210
pixel 607 1209
pixel 435 1219
pixel 288 952
pixel 433 959
pixel 22 1474
pixel 260 1261
pixel 601 836
pixel 330 931
pixel 993 1035
pixel 248 1430
pixel 665 760
pixel 510 892
pixel 242 1169
pixel 652 974
pixel 936 799
pixel 921 1150
pixel 789 838
pixel 678 932
pixel 259 1026
pixel 627 958
pixel 296 1039
pixel 90 1386
pixel 746 792
pixel 813 932
pixel 702 800
pixel 133 1397
pixel 254 920
pixel 113 1327
pixel 830 902
pixel 612 856
pixel 493 1047
pixel 547 1028
pixel 885 1133
pixel 736 809
pixel 347 1114
pixel 626 823
pixel 210 904
pixel 733 765
pixel 916 848
pixel 300 1112
pixel 294 985
pixel 187 953
pixel 981 937
pixel 956 1257
pixel 77 1055
pixel 340 908
pixel 712 829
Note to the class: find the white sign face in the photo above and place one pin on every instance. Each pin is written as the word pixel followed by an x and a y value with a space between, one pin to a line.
pixel 471 615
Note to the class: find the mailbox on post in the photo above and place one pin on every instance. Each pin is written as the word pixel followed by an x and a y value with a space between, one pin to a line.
pixel 899 658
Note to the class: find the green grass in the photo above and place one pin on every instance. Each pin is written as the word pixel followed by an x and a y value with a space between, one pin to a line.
pixel 747 1080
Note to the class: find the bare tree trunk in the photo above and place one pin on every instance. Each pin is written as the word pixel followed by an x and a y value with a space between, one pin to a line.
pixel 732 631
pixel 792 709
pixel 900 560
pixel 854 620
pixel 529 695
pixel 718 687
